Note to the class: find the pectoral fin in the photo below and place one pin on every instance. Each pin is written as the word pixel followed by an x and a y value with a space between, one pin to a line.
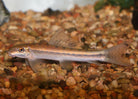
pixel 36 65
pixel 27 62
pixel 66 65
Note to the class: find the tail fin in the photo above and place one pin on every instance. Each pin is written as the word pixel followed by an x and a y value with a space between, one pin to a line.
pixel 117 54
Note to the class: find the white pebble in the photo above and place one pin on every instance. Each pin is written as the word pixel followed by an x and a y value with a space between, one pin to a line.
pixel 132 61
pixel 110 45
pixel 13 27
pixel 105 41
pixel 114 84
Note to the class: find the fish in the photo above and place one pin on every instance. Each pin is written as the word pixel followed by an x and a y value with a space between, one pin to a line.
pixel 33 52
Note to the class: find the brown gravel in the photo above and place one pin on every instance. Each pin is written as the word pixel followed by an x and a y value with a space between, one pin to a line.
pixel 106 28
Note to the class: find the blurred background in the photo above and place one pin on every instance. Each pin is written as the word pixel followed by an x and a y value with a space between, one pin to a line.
pixel 36 5
pixel 24 5
pixel 62 5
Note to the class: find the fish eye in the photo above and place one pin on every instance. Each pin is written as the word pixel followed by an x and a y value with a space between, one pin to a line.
pixel 21 49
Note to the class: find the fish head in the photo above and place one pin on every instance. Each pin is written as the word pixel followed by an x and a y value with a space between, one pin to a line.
pixel 21 52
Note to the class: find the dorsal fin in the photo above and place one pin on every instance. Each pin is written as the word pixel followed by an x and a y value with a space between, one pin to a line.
pixel 64 40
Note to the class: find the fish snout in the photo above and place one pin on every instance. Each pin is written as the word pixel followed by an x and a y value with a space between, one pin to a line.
pixel 11 53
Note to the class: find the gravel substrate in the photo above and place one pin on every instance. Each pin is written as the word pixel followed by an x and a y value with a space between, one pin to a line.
pixel 87 30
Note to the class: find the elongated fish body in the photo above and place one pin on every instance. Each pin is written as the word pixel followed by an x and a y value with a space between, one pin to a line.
pixel 34 52
pixel 67 55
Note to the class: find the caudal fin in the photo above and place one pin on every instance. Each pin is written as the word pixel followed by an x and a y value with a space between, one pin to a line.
pixel 117 54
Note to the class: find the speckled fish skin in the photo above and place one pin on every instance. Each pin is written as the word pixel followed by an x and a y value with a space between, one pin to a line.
pixel 114 55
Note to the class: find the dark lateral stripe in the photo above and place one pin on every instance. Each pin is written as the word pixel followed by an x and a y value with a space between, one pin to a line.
pixel 70 54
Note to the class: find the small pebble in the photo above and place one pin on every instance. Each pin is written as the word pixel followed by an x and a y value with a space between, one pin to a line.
pixel 82 93
pixel 62 84
pixel 92 83
pixel 136 39
pixel 123 81
pixel 70 81
pixel 105 41
pixel 6 56
pixel 54 95
pixel 99 85
pixel 132 61
pixel 110 45
pixel 39 97
pixel 6 91
pixel 74 33
pixel 96 96
pixel 8 64
pixel 49 91
pixel 60 94
pixel 7 84
pixel 22 94
pixel 18 64
pixel 93 45
pixel 75 73
pixel 1 44
pixel 8 71
pixel 125 87
pixel 14 69
pixel 43 91
pixel 11 27
pixel 97 31
pixel 114 84
pixel 119 96
pixel 106 88
pixel 48 96
pixel 108 93
pixel 55 28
